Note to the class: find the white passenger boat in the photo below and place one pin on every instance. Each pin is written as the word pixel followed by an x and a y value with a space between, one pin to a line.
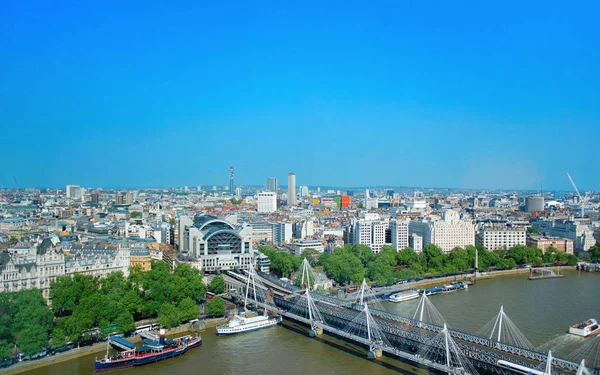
pixel 405 295
pixel 248 321
pixel 584 329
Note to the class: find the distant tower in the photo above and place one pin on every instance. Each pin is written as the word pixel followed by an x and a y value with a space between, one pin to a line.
pixel 231 186
pixel 291 189
pixel 272 184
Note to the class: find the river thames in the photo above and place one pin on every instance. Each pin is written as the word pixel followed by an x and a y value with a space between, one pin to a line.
pixel 543 310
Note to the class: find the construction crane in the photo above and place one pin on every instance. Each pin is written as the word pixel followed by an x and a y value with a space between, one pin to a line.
pixel 581 200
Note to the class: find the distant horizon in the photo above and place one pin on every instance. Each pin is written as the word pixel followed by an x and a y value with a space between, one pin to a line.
pixel 283 188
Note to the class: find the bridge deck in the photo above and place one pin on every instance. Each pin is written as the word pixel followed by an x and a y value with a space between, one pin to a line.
pixel 477 348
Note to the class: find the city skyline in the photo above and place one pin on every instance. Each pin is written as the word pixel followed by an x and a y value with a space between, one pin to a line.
pixel 426 94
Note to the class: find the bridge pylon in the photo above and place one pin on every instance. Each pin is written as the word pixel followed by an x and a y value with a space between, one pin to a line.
pixel 427 313
pixel 305 306
pixel 443 349
pixel 365 326
pixel 502 330
pixel 582 370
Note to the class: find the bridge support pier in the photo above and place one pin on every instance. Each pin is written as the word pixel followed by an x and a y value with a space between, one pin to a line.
pixel 315 332
pixel 374 353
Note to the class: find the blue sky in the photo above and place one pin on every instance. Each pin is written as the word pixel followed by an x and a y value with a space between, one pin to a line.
pixel 416 93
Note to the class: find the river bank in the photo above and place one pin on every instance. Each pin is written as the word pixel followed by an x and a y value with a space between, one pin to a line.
pixel 101 347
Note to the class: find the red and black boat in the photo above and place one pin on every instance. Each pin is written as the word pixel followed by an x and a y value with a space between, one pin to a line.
pixel 151 351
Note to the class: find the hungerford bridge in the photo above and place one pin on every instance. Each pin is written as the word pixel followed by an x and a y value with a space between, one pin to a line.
pixel 424 339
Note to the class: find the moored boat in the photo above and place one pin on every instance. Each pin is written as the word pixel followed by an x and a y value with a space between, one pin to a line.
pixel 149 352
pixel 405 295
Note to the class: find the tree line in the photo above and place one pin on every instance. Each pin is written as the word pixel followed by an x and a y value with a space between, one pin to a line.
pixel 353 263
pixel 84 306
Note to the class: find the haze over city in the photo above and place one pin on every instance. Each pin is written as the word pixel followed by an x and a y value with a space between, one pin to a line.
pixel 422 94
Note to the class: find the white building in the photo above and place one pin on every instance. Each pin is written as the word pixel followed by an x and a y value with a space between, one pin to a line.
pixel 370 231
pixel 494 237
pixel 291 195
pixel 300 246
pixel 415 242
pixel 399 234
pixel 262 231
pixel 283 232
pixel 303 229
pixel 303 191
pixel 44 262
pixel 266 202
pixel 74 191
pixel 447 233
pixel 371 203
pixel 417 203
pixel 217 245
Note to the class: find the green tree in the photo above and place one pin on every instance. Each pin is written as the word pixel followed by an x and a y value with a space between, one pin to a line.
pixel 168 316
pixel 551 255
pixel 406 257
pixel 5 350
pixel 532 230
pixel 136 215
pixel 59 337
pixel 594 252
pixel 124 322
pixel 321 290
pixel 32 339
pixel 217 285
pixel 345 266
pixel 13 239
pixel 172 221
pixel 188 309
pixel 311 255
pixel 215 307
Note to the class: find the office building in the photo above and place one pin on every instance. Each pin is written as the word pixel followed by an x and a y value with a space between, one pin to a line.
pixel 129 198
pixel 74 191
pixel 272 184
pixel 447 233
pixel 415 242
pixel 399 234
pixel 370 231
pixel 543 243
pixel 577 230
pixel 300 246
pixel 499 236
pixel 291 195
pixel 94 197
pixel 283 232
pixel 303 229
pixel 266 202
pixel 303 191
pixel 119 198
pixel 262 231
